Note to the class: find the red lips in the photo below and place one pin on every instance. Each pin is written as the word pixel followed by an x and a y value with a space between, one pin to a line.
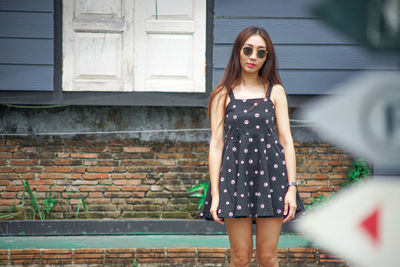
pixel 251 65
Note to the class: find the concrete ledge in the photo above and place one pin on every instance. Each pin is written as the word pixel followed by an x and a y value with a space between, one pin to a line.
pixel 132 226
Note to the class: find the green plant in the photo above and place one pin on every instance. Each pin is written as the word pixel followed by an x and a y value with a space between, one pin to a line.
pixel 357 171
pixel 31 209
pixel 49 204
pixel 84 208
pixel 203 187
pixel 34 204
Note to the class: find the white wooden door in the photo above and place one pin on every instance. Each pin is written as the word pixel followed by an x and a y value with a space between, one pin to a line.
pixel 170 45
pixel 98 45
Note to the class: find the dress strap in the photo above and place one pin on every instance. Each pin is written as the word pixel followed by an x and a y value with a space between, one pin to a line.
pixel 268 93
pixel 231 95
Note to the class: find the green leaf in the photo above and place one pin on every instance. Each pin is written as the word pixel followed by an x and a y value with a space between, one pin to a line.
pixel 85 209
pixel 196 187
pixel 201 203
pixel 77 208
pixel 196 195
pixel 205 190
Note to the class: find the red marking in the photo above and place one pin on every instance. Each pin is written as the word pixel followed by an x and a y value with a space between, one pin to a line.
pixel 371 225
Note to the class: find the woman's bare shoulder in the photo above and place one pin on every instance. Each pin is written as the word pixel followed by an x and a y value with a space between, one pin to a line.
pixel 221 96
pixel 278 92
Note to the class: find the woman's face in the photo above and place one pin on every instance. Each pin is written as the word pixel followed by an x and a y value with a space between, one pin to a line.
pixel 253 54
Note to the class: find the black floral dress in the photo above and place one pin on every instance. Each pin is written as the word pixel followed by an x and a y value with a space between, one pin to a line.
pixel 253 176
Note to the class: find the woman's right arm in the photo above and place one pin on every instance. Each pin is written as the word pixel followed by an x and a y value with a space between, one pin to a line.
pixel 216 147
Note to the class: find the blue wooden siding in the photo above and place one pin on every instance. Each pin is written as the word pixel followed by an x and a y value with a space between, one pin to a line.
pixel 26 45
pixel 311 57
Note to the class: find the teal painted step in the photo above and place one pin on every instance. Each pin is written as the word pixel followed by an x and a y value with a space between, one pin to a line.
pixel 135 241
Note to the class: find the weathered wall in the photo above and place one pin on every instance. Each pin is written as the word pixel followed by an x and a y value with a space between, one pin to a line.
pixel 124 175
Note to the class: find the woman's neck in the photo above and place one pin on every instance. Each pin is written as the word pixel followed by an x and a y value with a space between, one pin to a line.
pixel 250 80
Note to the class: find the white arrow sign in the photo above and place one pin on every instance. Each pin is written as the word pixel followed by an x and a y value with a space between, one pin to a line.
pixel 363 117
pixel 360 224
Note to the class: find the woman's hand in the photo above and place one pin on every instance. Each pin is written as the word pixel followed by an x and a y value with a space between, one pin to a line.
pixel 214 208
pixel 290 204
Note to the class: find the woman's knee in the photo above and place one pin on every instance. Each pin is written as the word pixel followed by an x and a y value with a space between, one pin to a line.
pixel 241 257
pixel 267 258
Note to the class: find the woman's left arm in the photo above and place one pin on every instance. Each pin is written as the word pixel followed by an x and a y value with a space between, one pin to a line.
pixel 279 98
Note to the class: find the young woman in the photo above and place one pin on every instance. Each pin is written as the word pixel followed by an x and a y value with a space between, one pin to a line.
pixel 252 160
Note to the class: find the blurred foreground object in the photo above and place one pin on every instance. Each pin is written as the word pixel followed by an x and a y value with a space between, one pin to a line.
pixel 374 23
pixel 363 117
pixel 360 223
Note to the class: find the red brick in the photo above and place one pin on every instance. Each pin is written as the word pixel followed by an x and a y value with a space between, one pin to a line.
pixel 27 176
pixel 36 169
pixel 310 188
pixel 23 162
pixel 336 181
pixel 14 188
pixel 169 155
pixel 7 201
pixel 320 176
pixel 321 149
pixel 67 162
pixel 136 175
pixel 316 163
pixel 58 169
pixel 9 176
pixel 6 169
pixel 126 182
pixel 118 176
pixel 87 188
pixel 341 169
pixel 4 182
pixel 141 188
pixel 137 149
pixel 48 189
pixel 326 194
pixel 309 250
pixel 88 255
pixel 99 169
pixel 96 195
pixel 8 195
pixel 8 149
pixel 127 188
pixel 85 182
pixel 5 155
pixel 41 182
pixel 315 182
pixel 337 176
pixel 325 189
pixel 84 155
pixel 114 188
pixel 76 169
pixel 95 176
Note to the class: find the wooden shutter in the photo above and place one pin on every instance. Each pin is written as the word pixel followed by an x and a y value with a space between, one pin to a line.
pixel 170 45
pixel 97 45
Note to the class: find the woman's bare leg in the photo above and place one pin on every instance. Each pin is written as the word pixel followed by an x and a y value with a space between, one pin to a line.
pixel 241 240
pixel 267 237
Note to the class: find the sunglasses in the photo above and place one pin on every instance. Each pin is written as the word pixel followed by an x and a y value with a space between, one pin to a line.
pixel 260 53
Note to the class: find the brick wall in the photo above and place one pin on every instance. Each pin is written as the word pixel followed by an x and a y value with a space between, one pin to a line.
pixel 212 256
pixel 126 178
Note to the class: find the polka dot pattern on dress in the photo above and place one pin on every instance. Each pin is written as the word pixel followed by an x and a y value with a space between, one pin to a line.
pixel 253 169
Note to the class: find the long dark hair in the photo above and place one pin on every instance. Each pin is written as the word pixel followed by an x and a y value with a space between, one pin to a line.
pixel 232 74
